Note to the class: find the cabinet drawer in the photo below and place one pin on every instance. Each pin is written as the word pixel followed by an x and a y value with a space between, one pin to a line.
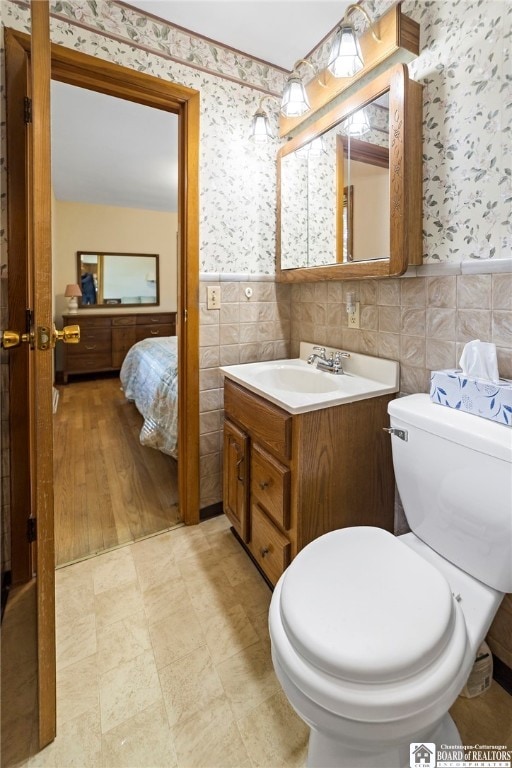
pixel 92 336
pixel 87 322
pixel 270 485
pixel 89 362
pixel 165 318
pixel 88 346
pixel 148 331
pixel 127 320
pixel 266 423
pixel 270 547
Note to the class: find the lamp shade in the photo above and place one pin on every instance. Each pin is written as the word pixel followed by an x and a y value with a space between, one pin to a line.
pixel 357 124
pixel 345 58
pixel 72 289
pixel 260 127
pixel 295 100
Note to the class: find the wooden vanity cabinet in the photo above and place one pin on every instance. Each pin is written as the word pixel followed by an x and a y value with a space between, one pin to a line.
pixel 105 339
pixel 291 478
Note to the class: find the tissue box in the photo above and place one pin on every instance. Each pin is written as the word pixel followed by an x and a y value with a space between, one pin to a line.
pixel 465 393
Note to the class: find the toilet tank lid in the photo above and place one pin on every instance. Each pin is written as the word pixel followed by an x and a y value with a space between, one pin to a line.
pixel 473 432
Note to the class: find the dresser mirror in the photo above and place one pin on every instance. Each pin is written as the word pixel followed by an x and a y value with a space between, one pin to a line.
pixel 349 187
pixel 114 279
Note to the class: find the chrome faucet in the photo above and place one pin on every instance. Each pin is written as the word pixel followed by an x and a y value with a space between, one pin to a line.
pixel 314 356
pixel 331 364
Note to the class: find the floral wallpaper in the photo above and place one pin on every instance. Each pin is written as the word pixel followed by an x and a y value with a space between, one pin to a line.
pixel 464 64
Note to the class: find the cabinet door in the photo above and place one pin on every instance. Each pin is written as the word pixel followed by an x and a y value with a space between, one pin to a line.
pixel 123 338
pixel 236 478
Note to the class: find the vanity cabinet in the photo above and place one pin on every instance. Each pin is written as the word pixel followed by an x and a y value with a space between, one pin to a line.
pixel 291 478
pixel 105 339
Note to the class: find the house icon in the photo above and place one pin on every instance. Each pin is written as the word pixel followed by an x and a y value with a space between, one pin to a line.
pixel 422 756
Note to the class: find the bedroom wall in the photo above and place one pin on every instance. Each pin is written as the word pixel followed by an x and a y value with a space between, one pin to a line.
pixel 82 227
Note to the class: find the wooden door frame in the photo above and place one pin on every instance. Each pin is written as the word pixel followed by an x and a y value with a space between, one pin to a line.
pixel 80 69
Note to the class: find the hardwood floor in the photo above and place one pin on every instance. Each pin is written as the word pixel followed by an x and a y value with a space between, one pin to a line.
pixel 109 489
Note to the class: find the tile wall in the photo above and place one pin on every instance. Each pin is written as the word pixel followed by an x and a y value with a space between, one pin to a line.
pixel 243 330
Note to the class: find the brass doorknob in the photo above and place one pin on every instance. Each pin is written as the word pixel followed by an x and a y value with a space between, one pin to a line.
pixel 12 339
pixel 70 334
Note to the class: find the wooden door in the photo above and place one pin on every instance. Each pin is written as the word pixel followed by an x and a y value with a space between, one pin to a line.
pixel 31 375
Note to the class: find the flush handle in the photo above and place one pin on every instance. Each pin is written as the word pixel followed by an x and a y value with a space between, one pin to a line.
pixel 401 433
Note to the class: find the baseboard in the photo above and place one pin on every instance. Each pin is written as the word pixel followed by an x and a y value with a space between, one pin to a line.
pixel 502 674
pixel 214 510
pixel 6 585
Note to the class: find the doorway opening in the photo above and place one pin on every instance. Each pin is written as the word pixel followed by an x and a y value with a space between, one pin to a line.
pixel 115 234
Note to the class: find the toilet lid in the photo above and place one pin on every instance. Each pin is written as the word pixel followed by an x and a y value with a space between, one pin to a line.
pixel 361 606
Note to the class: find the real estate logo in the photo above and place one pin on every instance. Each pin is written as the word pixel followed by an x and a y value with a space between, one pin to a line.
pixel 422 755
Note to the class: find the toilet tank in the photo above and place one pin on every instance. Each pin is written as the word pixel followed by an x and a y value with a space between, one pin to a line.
pixel 454 476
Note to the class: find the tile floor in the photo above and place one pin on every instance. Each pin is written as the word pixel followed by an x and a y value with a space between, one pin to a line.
pixel 163 660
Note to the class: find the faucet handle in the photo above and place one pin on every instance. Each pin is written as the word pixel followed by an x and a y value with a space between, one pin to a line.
pixel 321 350
pixel 339 355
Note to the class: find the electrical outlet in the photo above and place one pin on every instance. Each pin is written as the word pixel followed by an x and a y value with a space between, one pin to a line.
pixel 353 317
pixel 213 297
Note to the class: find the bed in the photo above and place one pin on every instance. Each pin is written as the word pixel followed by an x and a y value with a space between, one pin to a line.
pixel 149 377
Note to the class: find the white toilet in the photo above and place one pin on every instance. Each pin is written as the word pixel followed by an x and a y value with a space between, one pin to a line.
pixel 373 637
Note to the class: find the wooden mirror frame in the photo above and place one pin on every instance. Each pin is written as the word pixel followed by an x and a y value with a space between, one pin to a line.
pixel 405 183
pixel 116 304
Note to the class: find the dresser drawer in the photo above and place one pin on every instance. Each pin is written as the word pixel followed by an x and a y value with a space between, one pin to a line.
pixel 126 320
pixel 93 336
pixel 270 485
pixel 164 318
pixel 89 346
pixel 270 547
pixel 89 362
pixel 148 331
pixel 90 321
pixel 267 424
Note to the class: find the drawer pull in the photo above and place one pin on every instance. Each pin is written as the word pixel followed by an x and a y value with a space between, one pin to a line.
pixel 238 465
pixel 155 333
pixel 264 551
pixel 264 484
pixel 90 346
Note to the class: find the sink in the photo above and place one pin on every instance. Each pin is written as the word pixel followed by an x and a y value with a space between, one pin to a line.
pixel 293 378
pixel 299 387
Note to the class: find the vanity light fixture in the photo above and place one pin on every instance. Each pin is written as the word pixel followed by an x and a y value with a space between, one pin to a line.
pixel 261 131
pixel 357 124
pixel 72 293
pixel 345 57
pixel 295 100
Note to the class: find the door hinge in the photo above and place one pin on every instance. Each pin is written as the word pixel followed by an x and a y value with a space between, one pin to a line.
pixel 32 529
pixel 27 109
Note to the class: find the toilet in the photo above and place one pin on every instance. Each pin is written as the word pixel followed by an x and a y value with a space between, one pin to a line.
pixel 374 636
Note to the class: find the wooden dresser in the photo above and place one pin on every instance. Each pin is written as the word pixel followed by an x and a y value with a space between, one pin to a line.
pixel 105 339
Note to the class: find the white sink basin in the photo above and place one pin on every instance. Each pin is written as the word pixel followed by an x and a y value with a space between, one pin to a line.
pixel 292 378
pixel 299 387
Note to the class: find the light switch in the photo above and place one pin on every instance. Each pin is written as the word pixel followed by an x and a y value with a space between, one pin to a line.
pixel 213 297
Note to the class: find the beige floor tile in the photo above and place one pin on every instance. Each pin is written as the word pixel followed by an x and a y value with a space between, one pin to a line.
pixel 248 679
pixel 260 624
pixel 117 604
pixel 143 741
pixel 154 561
pixel 274 735
pixel 486 719
pixel 228 632
pixel 210 739
pixel 254 594
pixel 190 685
pixel 77 689
pixel 188 541
pixel 176 636
pixel 113 569
pixel 76 639
pixel 238 568
pixel 204 565
pixel 128 689
pixel 78 745
pixel 223 542
pixel 215 524
pixel 122 641
pixel 164 599
pixel 74 601
pixel 211 594
pixel 75 575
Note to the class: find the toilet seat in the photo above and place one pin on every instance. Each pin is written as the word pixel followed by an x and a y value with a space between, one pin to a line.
pixel 366 627
pixel 360 606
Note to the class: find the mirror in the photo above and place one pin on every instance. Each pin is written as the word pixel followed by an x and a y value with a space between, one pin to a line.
pixel 349 187
pixel 113 279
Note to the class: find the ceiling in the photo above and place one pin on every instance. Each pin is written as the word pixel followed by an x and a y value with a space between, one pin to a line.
pixel 277 31
pixel 100 152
